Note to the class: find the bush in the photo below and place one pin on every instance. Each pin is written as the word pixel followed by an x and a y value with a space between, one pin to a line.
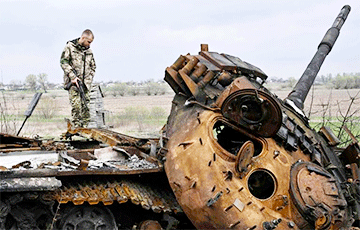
pixel 155 88
pixel 117 89
pixel 134 90
pixel 136 113
pixel 46 107
pixel 347 81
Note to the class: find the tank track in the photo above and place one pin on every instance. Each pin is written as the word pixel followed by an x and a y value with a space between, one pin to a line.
pixel 157 199
pixel 37 210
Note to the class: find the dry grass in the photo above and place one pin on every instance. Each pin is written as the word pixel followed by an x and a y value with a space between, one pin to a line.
pixel 38 124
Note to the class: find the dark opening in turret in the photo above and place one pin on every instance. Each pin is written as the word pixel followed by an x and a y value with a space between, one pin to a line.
pixel 261 184
pixel 231 139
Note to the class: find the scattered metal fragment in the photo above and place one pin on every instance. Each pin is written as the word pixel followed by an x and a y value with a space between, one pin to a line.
pixel 212 201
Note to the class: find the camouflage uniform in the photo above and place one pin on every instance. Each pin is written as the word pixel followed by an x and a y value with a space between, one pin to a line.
pixel 77 60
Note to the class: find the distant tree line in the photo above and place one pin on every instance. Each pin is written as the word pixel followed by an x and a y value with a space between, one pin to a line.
pixel 40 83
pixel 151 87
pixel 340 81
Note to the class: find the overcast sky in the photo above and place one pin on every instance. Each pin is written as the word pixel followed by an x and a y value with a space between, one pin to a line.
pixel 137 40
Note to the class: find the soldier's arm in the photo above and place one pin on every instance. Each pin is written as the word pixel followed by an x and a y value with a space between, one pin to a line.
pixel 65 63
pixel 92 66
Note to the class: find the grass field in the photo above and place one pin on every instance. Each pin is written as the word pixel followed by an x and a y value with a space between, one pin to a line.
pixel 144 115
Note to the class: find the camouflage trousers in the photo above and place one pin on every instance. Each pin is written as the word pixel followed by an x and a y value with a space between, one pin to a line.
pixel 80 113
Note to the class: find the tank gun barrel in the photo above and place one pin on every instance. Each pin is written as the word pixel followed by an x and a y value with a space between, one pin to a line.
pixel 302 87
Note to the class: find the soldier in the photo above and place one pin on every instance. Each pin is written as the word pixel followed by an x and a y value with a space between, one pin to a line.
pixel 78 64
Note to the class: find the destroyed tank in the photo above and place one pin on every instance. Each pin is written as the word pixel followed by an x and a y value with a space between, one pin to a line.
pixel 232 155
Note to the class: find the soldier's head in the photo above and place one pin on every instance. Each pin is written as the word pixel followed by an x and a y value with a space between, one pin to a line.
pixel 86 38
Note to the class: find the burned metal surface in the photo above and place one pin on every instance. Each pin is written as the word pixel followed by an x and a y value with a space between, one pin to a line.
pixel 125 155
pixel 316 195
pixel 222 193
pixel 113 138
pixel 29 184
pixel 250 108
pixel 11 142
pixel 103 161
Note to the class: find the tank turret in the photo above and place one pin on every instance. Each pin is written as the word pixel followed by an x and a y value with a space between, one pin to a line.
pixel 240 157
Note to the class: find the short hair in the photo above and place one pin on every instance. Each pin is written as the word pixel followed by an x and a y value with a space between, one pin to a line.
pixel 88 32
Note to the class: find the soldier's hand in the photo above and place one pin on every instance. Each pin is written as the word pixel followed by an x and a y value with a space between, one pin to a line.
pixel 75 81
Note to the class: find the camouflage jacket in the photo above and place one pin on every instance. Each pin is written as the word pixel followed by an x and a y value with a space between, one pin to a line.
pixel 77 60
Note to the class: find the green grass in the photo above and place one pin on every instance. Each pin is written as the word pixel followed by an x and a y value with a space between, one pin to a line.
pixel 336 127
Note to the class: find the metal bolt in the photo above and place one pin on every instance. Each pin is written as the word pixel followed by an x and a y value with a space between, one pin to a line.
pixel 244 108
pixel 277 221
pixel 267 226
pixel 291 224
pixel 276 153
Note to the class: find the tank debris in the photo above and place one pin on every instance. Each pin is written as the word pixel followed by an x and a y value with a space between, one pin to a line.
pixel 231 156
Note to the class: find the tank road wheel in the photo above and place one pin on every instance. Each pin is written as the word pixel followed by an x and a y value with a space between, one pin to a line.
pixel 88 217
pixel 149 225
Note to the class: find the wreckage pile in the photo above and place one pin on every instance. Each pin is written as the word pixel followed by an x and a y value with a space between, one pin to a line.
pixel 37 155
pixel 100 167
